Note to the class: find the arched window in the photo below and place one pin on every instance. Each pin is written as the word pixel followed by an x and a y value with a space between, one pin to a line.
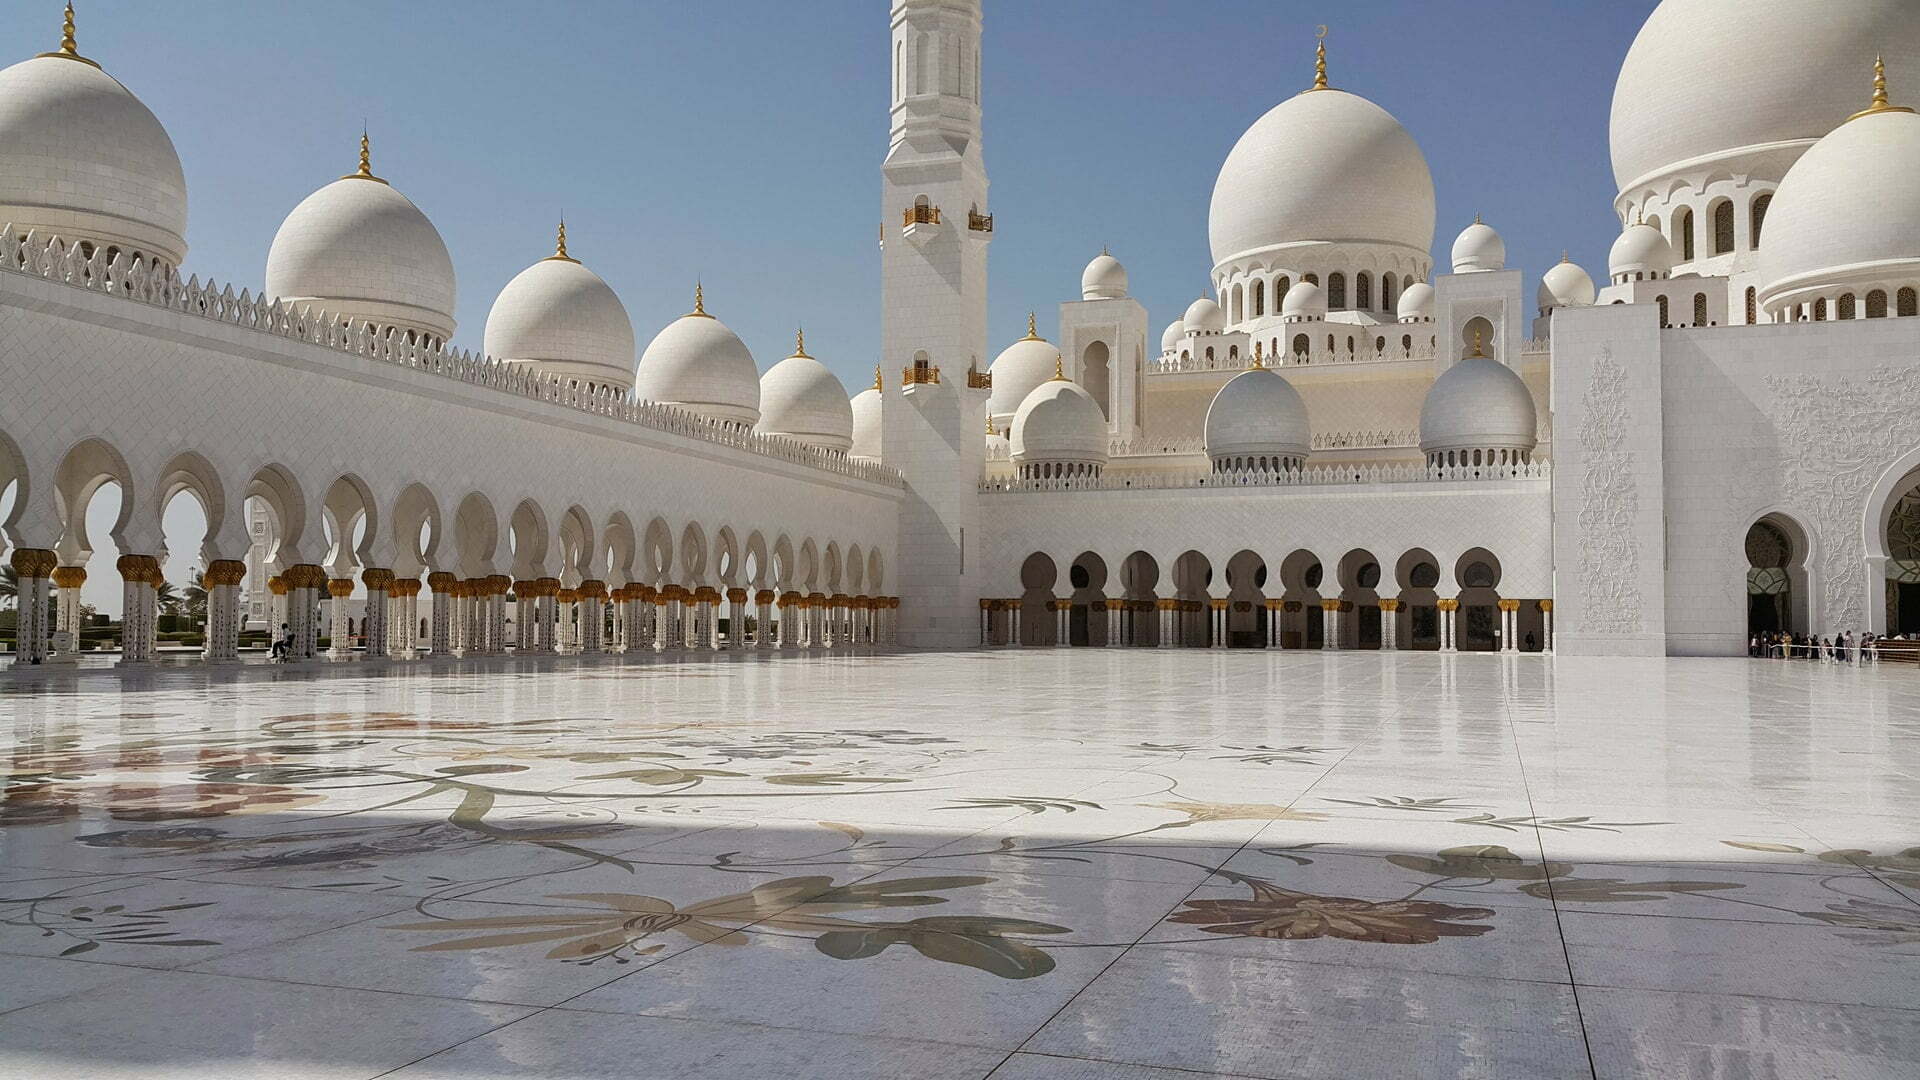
pixel 1406 344
pixel 1379 345
pixel 1845 307
pixel 1330 345
pixel 1300 346
pixel 1336 291
pixel 1209 354
pixel 1233 352
pixel 1661 302
pixel 1756 214
pixel 1820 310
pixel 1877 304
pixel 1388 290
pixel 1259 298
pixel 1311 278
pixel 1753 307
pixel 1683 233
pixel 1699 309
pixel 1723 227
pixel 1280 286
pixel 1363 291
pixel 1907 302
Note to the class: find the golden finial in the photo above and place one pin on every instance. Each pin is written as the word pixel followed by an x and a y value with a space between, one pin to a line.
pixel 69 49
pixel 877 385
pixel 1104 251
pixel 1563 255
pixel 699 303
pixel 1320 61
pixel 1477 221
pixel 1032 333
pixel 1880 103
pixel 560 246
pixel 990 432
pixel 1256 358
pixel 366 161
pixel 1477 345
pixel 800 341
pixel 1059 369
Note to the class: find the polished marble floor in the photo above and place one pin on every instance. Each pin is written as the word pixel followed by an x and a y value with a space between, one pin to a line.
pixel 1029 865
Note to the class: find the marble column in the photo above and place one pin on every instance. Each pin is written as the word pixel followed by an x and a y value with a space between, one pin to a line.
pixel 341 645
pixel 1220 616
pixel 1446 608
pixel 762 618
pixel 789 615
pixel 305 582
pixel 736 618
pixel 987 608
pixel 1167 612
pixel 591 617
pixel 1509 621
pixel 1273 607
pixel 221 581
pixel 1389 625
pixel 1330 624
pixel 526 615
pixel 666 606
pixel 138 573
pixel 34 568
pixel 1062 622
pixel 440 625
pixel 498 586
pixel 565 639
pixel 67 620
pixel 1546 629
pixel 403 641
pixel 374 617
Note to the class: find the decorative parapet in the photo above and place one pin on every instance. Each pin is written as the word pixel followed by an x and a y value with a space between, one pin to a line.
pixel 919 374
pixel 1366 440
pixel 1174 364
pixel 978 221
pixel 979 380
pixel 1313 476
pixel 920 215
pixel 52 259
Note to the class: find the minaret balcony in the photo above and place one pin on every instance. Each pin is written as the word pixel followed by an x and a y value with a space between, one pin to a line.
pixel 920 222
pixel 979 222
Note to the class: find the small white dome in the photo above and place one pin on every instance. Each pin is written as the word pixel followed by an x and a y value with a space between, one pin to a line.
pixel 1710 79
pixel 699 365
pixel 1478 249
pixel 1019 368
pixel 82 158
pixel 1848 212
pixel 562 318
pixel 1205 317
pixel 868 434
pixel 1478 404
pixel 1258 413
pixel 1565 285
pixel 1416 303
pixel 1303 301
pixel 1643 249
pixel 1323 165
pixel 1171 337
pixel 1059 421
pixel 802 400
pixel 1103 279
pixel 360 249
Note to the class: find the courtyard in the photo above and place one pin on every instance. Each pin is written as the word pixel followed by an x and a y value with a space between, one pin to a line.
pixel 1023 864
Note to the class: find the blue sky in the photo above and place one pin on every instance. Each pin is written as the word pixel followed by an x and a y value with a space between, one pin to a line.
pixel 740 142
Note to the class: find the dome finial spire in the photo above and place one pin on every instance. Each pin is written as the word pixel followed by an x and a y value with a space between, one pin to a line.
pixel 1320 60
pixel 1256 358
pixel 1032 333
pixel 1059 369
pixel 1478 344
pixel 800 341
pixel 1879 104
pixel 699 303
pixel 365 172
pixel 69 49
pixel 877 384
pixel 990 432
pixel 560 245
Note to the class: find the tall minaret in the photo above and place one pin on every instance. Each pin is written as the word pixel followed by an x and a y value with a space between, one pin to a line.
pixel 934 230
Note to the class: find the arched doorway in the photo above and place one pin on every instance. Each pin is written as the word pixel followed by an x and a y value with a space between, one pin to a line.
pixel 1418 573
pixel 1478 630
pixel 1360 600
pixel 1246 601
pixel 1037 576
pixel 1774 555
pixel 1903 564
pixel 1087 622
pixel 1302 619
pixel 1139 574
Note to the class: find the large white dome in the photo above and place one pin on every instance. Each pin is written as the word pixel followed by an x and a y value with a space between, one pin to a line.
pixel 1642 249
pixel 1322 166
pixel 1059 422
pixel 1847 213
pixel 1019 368
pixel 868 432
pixel 1103 279
pixel 1478 404
pixel 1565 285
pixel 1258 414
pixel 801 400
pixel 1479 249
pixel 359 248
pixel 82 158
pixel 562 318
pixel 699 365
pixel 1713 78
